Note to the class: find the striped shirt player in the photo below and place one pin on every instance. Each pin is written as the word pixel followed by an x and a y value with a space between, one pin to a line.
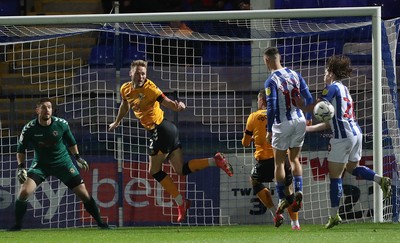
pixel 285 120
pixel 345 146
pixel 343 124
pixel 144 97
pixel 287 123
pixel 263 170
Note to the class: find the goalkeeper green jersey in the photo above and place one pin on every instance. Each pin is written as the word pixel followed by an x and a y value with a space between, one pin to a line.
pixel 49 142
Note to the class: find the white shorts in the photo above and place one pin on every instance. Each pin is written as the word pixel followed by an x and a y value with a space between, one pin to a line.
pixel 289 134
pixel 343 150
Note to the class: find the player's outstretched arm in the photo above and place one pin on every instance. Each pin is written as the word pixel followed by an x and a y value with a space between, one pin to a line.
pixel 173 104
pixel 123 109
pixel 318 127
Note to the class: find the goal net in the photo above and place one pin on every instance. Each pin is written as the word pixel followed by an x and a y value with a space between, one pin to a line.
pixel 213 63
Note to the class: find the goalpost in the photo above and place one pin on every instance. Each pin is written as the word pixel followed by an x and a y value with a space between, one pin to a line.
pixel 215 67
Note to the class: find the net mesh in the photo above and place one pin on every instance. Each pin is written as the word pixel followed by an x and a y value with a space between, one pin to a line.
pixel 216 69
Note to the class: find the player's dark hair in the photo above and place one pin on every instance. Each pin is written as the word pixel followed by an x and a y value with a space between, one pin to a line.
pixel 43 100
pixel 271 51
pixel 339 65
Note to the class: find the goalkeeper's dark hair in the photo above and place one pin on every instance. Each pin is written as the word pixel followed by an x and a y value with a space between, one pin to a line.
pixel 43 100
pixel 339 65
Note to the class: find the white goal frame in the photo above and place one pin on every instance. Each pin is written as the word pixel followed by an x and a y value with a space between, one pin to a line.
pixel 373 12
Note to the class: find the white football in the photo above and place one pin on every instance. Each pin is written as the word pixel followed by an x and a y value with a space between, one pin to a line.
pixel 324 111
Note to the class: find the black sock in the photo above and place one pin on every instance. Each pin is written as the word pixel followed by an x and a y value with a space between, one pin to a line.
pixel 20 210
pixel 91 207
pixel 290 198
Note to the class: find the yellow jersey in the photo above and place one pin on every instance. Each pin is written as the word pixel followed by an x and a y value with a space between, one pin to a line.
pixel 256 129
pixel 145 102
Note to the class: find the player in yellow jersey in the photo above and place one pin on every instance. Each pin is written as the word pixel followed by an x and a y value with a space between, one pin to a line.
pixel 144 98
pixel 264 170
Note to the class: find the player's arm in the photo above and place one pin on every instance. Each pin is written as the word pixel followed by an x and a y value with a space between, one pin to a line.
pixel 271 96
pixel 305 101
pixel 171 104
pixel 318 127
pixel 21 159
pixel 21 171
pixel 79 160
pixel 123 109
pixel 73 148
pixel 21 148
pixel 247 134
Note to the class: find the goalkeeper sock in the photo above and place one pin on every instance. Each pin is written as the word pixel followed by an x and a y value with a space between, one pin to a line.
pixel 364 173
pixel 20 210
pixel 298 183
pixel 92 209
pixel 336 190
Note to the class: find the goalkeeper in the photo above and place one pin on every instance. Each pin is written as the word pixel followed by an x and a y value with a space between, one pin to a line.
pixel 47 134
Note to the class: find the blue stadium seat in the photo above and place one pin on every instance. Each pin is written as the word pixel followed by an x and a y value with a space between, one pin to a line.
pixel 344 3
pixel 215 53
pixel 102 56
pixel 359 53
pixel 133 52
pixel 9 8
pixel 242 53
pixel 317 51
pixel 292 4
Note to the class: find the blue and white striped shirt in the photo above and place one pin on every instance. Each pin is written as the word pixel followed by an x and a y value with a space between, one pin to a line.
pixel 280 88
pixel 343 123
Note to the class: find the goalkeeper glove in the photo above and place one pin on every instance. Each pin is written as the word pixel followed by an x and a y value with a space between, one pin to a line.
pixel 81 162
pixel 21 173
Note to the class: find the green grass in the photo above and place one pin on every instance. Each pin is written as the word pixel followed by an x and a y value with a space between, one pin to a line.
pixel 353 233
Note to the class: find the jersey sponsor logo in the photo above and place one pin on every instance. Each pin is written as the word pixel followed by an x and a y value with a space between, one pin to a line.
pixel 268 91
pixel 38 135
pixel 140 96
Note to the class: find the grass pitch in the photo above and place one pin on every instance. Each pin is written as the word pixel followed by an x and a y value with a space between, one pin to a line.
pixel 355 232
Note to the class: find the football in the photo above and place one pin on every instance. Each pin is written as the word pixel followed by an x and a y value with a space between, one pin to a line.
pixel 324 111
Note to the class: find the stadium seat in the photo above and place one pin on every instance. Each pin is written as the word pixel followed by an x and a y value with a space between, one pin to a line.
pixel 9 8
pixel 316 51
pixel 290 4
pixel 215 53
pixel 359 53
pixel 102 56
pixel 242 53
pixel 133 52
